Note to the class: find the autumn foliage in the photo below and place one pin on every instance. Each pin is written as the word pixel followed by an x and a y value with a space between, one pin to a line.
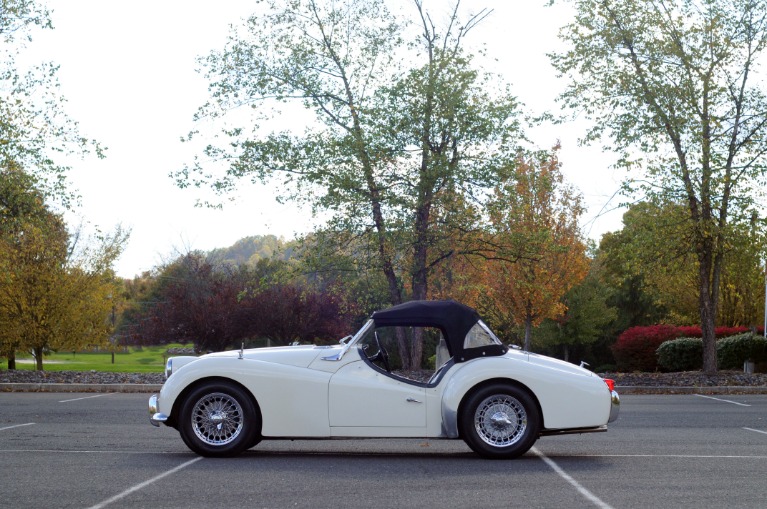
pixel 542 253
pixel 213 307
pixel 635 349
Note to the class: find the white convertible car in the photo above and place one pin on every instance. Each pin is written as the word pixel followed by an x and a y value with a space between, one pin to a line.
pixel 499 400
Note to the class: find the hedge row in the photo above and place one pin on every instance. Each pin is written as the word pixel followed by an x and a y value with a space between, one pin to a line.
pixel 686 354
pixel 635 349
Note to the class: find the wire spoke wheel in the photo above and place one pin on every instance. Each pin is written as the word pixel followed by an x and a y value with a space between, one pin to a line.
pixel 217 419
pixel 500 420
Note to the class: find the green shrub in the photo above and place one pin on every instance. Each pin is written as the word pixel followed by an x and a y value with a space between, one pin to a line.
pixel 732 352
pixel 683 354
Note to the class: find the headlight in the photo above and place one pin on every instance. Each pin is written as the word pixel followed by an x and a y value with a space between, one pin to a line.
pixel 173 364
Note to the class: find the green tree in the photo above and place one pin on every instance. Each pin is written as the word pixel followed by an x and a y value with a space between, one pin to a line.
pixel 675 85
pixel 386 148
pixel 587 319
pixel 34 128
pixel 654 247
pixel 50 297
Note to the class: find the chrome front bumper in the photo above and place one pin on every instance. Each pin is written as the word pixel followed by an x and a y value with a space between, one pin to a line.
pixel 155 417
pixel 615 406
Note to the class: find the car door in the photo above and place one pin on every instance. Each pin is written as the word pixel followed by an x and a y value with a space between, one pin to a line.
pixel 365 401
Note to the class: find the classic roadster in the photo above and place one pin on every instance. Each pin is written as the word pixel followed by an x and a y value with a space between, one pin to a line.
pixel 498 399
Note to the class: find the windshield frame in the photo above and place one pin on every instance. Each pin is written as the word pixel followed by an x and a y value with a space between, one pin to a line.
pixel 346 343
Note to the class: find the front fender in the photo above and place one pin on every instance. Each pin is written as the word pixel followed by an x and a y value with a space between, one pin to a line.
pixel 566 399
pixel 285 394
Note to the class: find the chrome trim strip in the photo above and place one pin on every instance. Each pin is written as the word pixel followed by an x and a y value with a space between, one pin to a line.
pixel 573 431
pixel 348 344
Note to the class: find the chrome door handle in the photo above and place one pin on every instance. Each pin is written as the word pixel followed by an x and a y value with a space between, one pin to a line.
pixel 412 400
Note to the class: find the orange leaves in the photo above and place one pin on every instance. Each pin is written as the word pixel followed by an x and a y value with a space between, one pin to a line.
pixel 535 216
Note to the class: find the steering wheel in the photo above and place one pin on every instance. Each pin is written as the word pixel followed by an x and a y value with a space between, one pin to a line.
pixel 382 355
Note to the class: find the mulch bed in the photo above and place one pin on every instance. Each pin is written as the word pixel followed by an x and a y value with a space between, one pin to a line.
pixel 689 379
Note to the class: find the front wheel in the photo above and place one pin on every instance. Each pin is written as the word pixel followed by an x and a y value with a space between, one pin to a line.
pixel 219 419
pixel 500 421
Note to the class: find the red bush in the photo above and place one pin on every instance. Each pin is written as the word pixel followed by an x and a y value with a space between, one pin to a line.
pixel 635 348
pixel 694 331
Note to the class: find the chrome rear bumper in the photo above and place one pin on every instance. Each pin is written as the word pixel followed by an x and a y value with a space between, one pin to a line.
pixel 155 417
pixel 615 406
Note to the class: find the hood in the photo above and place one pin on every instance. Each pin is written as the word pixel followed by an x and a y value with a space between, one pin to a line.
pixel 300 356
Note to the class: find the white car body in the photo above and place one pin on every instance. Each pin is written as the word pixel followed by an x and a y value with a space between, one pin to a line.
pixel 335 391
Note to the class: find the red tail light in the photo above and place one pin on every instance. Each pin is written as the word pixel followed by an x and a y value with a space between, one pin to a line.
pixel 610 383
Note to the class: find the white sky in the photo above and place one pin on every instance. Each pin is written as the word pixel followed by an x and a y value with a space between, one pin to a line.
pixel 128 73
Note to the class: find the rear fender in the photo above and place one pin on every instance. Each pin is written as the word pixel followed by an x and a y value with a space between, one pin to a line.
pixel 566 399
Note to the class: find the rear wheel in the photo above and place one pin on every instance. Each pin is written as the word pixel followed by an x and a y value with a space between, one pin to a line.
pixel 219 419
pixel 500 421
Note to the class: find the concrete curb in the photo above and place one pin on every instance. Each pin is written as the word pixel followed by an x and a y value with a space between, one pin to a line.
pixel 151 388
pixel 75 387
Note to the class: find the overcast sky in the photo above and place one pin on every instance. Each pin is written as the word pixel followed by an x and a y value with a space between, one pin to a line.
pixel 128 73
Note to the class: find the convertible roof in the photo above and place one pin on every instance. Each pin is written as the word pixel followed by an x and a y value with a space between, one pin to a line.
pixel 453 318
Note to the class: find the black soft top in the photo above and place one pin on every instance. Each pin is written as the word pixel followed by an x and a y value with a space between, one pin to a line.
pixel 454 319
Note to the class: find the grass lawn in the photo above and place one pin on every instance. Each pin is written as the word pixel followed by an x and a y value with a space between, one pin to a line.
pixel 148 359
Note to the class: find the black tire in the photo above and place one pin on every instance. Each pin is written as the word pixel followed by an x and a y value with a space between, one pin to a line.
pixel 219 419
pixel 500 421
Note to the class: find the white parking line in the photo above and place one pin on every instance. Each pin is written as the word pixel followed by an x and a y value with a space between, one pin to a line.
pixel 756 431
pixel 583 491
pixel 722 400
pixel 144 484
pixel 85 397
pixel 16 426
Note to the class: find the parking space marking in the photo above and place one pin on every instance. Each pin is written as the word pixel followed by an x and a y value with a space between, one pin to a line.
pixel 583 491
pixel 144 484
pixel 722 400
pixel 85 397
pixel 16 426
pixel 673 456
pixel 110 452
pixel 756 431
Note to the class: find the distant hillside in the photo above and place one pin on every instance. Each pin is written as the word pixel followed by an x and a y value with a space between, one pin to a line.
pixel 249 250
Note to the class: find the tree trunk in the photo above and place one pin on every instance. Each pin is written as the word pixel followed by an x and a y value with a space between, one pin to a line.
pixel 11 360
pixel 528 331
pixel 38 358
pixel 416 349
pixel 404 348
pixel 707 306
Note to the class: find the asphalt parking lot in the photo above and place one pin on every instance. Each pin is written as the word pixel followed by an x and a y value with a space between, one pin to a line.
pixel 98 450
